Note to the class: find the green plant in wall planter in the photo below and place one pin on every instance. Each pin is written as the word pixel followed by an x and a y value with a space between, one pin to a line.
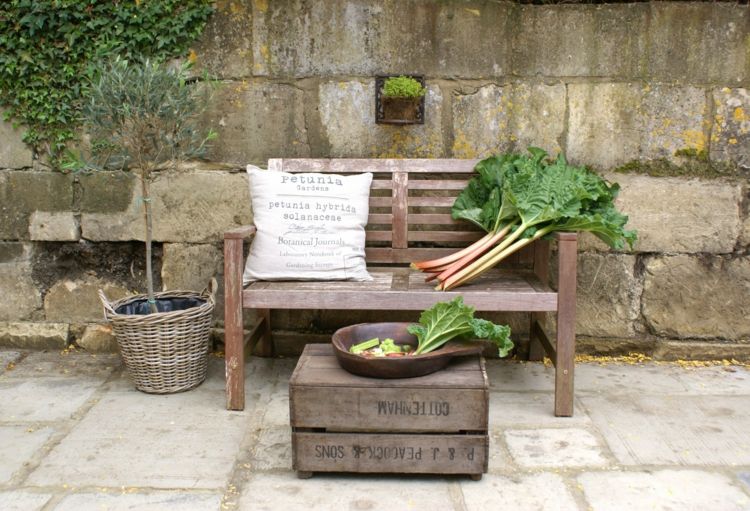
pixel 400 99
pixel 143 118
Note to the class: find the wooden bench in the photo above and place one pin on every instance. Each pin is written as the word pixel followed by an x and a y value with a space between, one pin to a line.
pixel 409 221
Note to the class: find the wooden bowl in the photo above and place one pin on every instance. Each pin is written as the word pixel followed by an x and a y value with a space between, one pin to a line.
pixel 394 367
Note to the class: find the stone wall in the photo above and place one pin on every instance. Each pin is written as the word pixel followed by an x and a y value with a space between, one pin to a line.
pixel 649 88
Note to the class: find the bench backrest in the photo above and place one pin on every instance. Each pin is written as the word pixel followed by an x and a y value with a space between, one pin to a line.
pixel 410 202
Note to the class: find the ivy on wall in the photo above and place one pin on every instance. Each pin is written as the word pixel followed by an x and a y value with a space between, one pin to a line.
pixel 48 47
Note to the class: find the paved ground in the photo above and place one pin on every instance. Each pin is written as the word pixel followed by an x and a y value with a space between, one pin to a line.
pixel 75 435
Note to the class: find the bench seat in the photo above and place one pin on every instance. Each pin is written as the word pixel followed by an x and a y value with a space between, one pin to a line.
pixel 409 220
pixel 405 289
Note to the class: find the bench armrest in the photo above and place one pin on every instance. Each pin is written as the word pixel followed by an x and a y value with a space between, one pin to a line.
pixel 239 233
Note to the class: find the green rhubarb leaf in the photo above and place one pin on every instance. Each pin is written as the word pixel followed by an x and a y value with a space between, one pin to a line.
pixel 445 321
pixel 498 334
pixel 442 322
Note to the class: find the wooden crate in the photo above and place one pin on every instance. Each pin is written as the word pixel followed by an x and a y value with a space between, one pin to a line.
pixel 434 424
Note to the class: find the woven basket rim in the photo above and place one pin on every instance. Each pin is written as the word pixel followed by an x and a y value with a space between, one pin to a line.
pixel 210 303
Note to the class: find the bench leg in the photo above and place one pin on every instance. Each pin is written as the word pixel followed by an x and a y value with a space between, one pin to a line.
pixel 541 269
pixel 265 347
pixel 536 350
pixel 566 328
pixel 233 331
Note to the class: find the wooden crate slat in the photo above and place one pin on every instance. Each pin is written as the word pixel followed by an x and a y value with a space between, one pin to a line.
pixel 399 408
pixel 390 453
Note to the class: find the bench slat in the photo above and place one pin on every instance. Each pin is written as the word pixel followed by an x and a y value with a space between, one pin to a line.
pixel 435 219
pixel 432 201
pixel 438 184
pixel 387 165
pixel 380 218
pixel 459 236
pixel 509 291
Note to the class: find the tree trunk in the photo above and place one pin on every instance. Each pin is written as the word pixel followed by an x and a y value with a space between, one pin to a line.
pixel 148 217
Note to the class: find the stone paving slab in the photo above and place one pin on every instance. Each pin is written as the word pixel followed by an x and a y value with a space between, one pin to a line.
pixel 674 430
pixel 53 398
pixel 628 379
pixel 22 500
pixel 538 492
pixel 54 364
pixel 716 380
pixel 273 450
pixel 19 444
pixel 514 409
pixel 664 490
pixel 511 376
pixel 554 448
pixel 185 440
pixel 272 492
pixel 140 502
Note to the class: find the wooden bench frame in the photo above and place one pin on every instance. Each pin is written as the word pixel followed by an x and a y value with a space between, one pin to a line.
pixel 410 235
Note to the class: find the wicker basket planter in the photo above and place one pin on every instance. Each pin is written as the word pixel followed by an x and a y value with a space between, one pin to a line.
pixel 164 352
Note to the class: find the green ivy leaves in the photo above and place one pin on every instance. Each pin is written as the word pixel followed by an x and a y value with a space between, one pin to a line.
pixel 48 49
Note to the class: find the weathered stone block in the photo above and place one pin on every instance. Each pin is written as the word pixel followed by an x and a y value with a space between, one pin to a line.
pixel 604 123
pixel 464 39
pixel 481 122
pixel 702 350
pixel 347 110
pixel 303 39
pixel 38 336
pixel 14 251
pixel 580 40
pixel 677 215
pixel 22 193
pixel 699 297
pixel 613 347
pixel 225 47
pixel 538 116
pixel 20 295
pixel 190 267
pixel 14 154
pixel 98 339
pixel 730 138
pixel 341 37
pixel 608 295
pixel 496 119
pixel 674 118
pixel 56 226
pixel 699 42
pixel 78 301
pixel 745 233
pixel 193 207
pixel 107 192
pixel 256 121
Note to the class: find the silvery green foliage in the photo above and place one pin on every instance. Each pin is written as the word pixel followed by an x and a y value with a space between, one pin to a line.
pixel 144 115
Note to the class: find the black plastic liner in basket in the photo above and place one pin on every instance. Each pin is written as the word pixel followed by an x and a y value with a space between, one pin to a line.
pixel 141 307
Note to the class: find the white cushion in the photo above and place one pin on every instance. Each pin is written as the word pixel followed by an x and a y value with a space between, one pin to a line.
pixel 309 226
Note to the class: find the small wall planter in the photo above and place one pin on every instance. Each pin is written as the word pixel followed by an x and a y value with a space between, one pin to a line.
pixel 397 110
